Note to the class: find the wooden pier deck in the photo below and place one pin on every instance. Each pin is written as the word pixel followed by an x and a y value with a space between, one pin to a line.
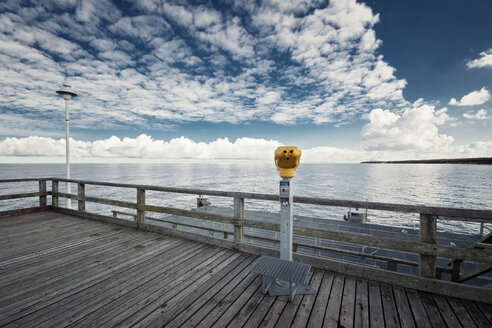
pixel 60 270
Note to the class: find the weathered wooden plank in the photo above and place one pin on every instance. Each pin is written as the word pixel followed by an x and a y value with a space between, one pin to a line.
pixel 361 315
pixel 49 232
pixel 446 311
pixel 50 258
pixel 486 310
pixel 290 310
pixel 81 296
pixel 12 253
pixel 59 285
pixel 19 235
pixel 184 284
pixel 197 305
pixel 478 317
pixel 232 298
pixel 94 292
pixel 39 219
pixel 375 305
pixel 132 283
pixel 402 306
pixel 347 311
pixel 256 316
pixel 432 310
pixel 49 239
pixel 36 289
pixel 389 307
pixel 276 309
pixel 321 302
pixel 461 313
pixel 236 313
pixel 113 304
pixel 304 311
pixel 23 221
pixel 332 315
pixel 19 239
pixel 56 261
pixel 417 308
pixel 187 311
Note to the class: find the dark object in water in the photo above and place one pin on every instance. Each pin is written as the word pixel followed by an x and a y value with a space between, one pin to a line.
pixel 355 217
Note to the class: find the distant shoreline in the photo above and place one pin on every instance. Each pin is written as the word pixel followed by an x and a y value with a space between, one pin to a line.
pixel 479 160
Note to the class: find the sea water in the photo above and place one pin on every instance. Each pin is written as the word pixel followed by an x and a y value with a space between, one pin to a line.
pixel 458 186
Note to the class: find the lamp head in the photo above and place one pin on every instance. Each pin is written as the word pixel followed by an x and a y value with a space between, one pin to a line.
pixel 66 91
pixel 287 159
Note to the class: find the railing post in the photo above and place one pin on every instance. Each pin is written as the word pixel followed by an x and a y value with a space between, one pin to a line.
pixel 42 192
pixel 54 189
pixel 81 192
pixel 392 266
pixel 238 214
pixel 456 269
pixel 427 263
pixel 140 201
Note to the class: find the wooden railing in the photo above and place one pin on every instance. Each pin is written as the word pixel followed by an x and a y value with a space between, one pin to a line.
pixel 426 248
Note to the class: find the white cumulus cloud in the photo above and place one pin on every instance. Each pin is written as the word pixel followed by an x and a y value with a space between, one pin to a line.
pixel 416 129
pixel 485 60
pixel 473 98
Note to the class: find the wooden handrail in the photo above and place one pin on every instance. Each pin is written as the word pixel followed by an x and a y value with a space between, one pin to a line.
pixel 444 213
pixel 23 195
pixel 24 180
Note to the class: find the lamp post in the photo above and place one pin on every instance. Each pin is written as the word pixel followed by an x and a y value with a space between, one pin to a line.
pixel 67 93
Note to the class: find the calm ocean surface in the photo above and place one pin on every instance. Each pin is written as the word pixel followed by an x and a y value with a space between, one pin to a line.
pixel 461 186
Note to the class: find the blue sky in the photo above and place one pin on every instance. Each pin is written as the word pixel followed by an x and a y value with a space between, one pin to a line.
pixel 346 81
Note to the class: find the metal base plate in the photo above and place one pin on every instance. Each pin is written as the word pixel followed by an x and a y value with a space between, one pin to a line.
pixel 279 288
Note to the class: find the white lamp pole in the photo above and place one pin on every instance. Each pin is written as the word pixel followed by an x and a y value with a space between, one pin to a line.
pixel 67 93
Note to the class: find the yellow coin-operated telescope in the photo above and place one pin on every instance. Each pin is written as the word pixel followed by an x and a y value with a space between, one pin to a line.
pixel 287 159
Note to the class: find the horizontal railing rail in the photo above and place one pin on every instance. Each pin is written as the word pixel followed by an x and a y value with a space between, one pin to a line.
pixel 426 248
pixel 446 213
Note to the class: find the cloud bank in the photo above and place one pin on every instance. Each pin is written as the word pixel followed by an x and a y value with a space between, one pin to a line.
pixel 406 144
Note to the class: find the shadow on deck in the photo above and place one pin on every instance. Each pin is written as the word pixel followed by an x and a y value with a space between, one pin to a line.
pixel 61 270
